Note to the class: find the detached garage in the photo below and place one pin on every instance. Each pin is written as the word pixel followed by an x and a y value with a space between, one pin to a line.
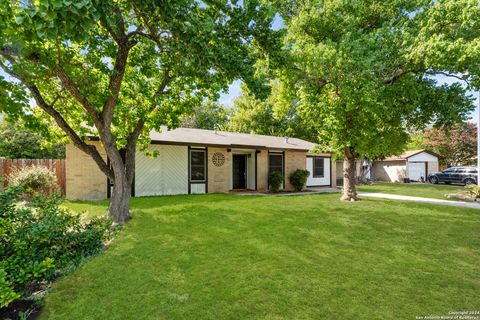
pixel 414 165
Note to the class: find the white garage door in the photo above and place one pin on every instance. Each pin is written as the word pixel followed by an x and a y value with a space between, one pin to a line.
pixel 416 170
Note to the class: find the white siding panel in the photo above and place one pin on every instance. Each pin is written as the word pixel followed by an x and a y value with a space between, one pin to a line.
pixel 325 180
pixel 197 188
pixel 423 156
pixel 162 175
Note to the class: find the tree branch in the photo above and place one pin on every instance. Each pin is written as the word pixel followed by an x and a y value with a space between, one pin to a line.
pixel 466 80
pixel 62 123
pixel 115 83
pixel 135 134
pixel 398 73
pixel 72 88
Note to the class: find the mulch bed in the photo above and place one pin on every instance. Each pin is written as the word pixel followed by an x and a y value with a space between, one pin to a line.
pixel 14 310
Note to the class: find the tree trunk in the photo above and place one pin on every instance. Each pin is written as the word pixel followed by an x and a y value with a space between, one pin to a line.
pixel 349 168
pixel 122 189
pixel 121 193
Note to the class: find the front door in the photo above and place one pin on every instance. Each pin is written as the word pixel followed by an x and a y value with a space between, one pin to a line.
pixel 239 171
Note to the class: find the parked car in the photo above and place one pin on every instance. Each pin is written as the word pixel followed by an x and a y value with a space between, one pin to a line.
pixel 463 175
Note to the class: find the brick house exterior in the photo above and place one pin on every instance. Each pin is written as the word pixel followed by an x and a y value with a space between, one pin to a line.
pixel 192 161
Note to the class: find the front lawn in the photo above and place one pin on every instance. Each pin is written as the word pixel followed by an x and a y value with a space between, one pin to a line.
pixel 295 257
pixel 426 190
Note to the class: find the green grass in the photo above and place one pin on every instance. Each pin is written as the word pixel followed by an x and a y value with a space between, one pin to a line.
pixel 296 257
pixel 426 190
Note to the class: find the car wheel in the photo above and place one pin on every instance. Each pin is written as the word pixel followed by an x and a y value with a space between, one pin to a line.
pixel 433 180
pixel 469 181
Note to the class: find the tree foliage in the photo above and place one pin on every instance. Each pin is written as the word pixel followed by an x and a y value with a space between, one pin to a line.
pixel 209 115
pixel 449 39
pixel 276 115
pixel 351 69
pixel 117 69
pixel 18 142
pixel 457 145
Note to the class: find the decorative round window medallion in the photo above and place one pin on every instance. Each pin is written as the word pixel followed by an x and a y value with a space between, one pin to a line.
pixel 218 159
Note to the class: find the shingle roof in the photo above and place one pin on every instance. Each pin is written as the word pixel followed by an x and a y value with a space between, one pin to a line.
pixel 229 139
pixel 407 154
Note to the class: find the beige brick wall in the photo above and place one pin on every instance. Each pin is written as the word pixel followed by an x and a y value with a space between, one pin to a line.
pixel 294 160
pixel 389 171
pixel 84 180
pixel 219 177
pixel 262 170
pixel 432 167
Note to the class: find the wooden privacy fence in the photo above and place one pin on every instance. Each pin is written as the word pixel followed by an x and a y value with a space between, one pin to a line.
pixel 57 166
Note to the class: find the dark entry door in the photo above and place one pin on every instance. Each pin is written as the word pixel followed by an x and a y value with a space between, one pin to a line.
pixel 239 171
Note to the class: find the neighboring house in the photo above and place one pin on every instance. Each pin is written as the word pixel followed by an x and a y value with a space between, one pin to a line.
pixel 414 165
pixel 192 161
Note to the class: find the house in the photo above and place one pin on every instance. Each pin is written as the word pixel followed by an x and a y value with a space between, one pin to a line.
pixel 191 161
pixel 414 165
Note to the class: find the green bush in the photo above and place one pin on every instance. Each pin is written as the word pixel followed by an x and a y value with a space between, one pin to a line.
pixel 34 181
pixel 275 180
pixel 298 179
pixel 41 241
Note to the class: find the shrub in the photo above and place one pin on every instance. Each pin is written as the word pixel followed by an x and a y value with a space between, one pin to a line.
pixel 40 242
pixel 275 180
pixel 34 181
pixel 298 179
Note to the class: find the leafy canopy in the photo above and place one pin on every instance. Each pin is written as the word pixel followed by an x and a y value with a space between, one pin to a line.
pixel 276 115
pixel 350 67
pixel 178 54
pixel 209 115
pixel 456 145
pixel 17 142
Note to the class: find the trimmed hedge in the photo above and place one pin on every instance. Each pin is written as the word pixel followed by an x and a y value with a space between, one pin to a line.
pixel 275 180
pixel 298 179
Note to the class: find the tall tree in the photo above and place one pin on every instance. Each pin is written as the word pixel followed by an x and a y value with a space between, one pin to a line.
pixel 117 69
pixel 457 145
pixel 276 115
pixel 351 69
pixel 209 115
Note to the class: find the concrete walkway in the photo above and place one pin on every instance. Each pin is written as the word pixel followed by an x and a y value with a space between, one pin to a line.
pixel 461 204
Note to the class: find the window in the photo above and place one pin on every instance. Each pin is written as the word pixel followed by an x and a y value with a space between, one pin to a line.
pixel 197 165
pixel 318 167
pixel 275 163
